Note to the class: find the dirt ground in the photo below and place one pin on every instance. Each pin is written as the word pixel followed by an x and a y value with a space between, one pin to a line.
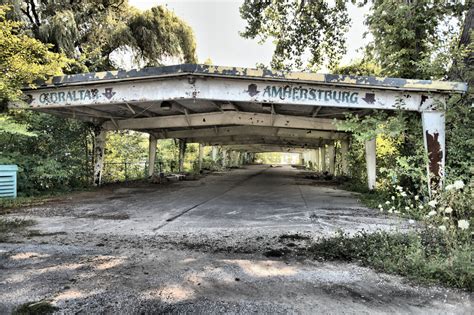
pixel 227 243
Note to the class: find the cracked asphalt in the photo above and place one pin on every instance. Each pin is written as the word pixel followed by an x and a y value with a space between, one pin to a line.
pixel 201 247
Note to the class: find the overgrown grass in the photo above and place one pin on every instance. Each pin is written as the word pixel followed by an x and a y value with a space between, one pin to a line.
pixel 422 256
pixel 35 308
pixel 7 204
pixel 12 225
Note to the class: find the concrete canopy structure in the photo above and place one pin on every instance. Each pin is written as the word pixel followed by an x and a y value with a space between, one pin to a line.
pixel 249 110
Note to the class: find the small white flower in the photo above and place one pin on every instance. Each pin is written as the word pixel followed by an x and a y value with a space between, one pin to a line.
pixel 387 202
pixel 417 197
pixel 407 208
pixel 442 228
pixel 393 197
pixel 403 194
pixel 448 210
pixel 445 218
pixel 420 207
pixel 400 188
pixel 463 224
pixel 380 206
pixel 432 203
pixel 411 221
pixel 449 187
pixel 396 211
pixel 431 213
pixel 459 184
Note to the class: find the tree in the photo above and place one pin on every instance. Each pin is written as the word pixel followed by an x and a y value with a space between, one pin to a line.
pixel 91 31
pixel 298 28
pixel 22 59
pixel 412 38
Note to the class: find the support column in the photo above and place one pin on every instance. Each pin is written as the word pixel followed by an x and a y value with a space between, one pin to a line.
pixel 370 159
pixel 182 155
pixel 301 162
pixel 315 153
pixel 331 153
pixel 344 154
pixel 322 150
pixel 151 155
pixel 239 158
pixel 214 153
pixel 99 151
pixel 201 151
pixel 435 147
pixel 224 158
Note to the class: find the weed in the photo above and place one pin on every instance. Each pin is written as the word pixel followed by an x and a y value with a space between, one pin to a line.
pixel 424 257
pixel 35 308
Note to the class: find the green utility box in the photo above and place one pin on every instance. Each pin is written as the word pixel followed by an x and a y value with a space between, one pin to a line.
pixel 8 181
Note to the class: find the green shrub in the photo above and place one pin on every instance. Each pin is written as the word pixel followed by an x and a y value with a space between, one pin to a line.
pixel 425 257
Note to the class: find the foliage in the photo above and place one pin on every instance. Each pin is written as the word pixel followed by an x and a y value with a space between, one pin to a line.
pixel 158 33
pixel 56 153
pixel 125 156
pixel 92 31
pixel 7 204
pixel 400 153
pixel 425 256
pixel 59 157
pixel 7 125
pixel 412 38
pixel 269 157
pixel 298 28
pixel 22 59
pixel 362 67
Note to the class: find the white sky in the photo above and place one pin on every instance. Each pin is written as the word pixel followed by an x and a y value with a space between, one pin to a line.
pixel 216 25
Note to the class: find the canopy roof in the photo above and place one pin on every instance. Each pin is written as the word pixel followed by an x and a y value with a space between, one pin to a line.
pixel 251 73
pixel 230 105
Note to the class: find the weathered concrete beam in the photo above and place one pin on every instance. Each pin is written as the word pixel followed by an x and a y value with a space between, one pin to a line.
pixel 257 139
pixel 233 90
pixel 252 130
pixel 255 148
pixel 223 118
pixel 301 143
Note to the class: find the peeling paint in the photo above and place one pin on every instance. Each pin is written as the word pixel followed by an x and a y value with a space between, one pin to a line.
pixel 236 72
pixel 435 155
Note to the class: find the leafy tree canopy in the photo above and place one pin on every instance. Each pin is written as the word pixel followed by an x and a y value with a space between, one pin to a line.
pixel 23 59
pixel 312 30
pixel 90 31
pixel 413 39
